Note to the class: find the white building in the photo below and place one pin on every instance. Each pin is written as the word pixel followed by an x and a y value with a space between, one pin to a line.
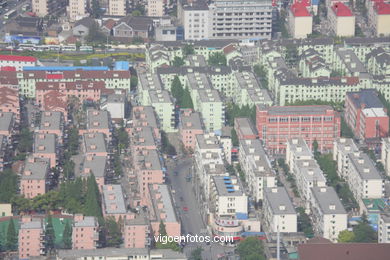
pixel 385 156
pixel 341 148
pixel 342 20
pixel 115 104
pixel 384 228
pixel 18 62
pixel 195 20
pixel 328 214
pixel 77 10
pixel 155 7
pixel 300 21
pixel 117 7
pixel 363 178
pixel 257 167
pixel 278 211
pixel 297 149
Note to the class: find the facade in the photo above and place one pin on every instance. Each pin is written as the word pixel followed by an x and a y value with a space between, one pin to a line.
pixel 328 214
pixel 195 18
pixel 136 232
pixel 164 106
pixel 279 213
pixel 117 7
pixel 379 17
pixel 156 7
pixel 300 21
pixel 342 20
pixel 34 176
pixel 17 62
pixel 9 101
pixel 341 148
pixel 276 125
pixel 384 228
pixel 190 125
pixel 31 238
pixel 85 232
pixel 47 7
pixel 366 115
pixel 45 146
pixel 77 10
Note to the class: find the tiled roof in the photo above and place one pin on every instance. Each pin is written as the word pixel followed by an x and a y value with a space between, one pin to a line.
pixel 299 9
pixel 18 58
pixel 382 7
pixel 341 9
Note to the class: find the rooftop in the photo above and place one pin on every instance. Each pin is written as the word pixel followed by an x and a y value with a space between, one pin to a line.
pixel 36 169
pixel 209 95
pixel 94 143
pixel 5 121
pixel 149 160
pixel 279 200
pixel 95 165
pixel 299 9
pixel 366 98
pixel 34 224
pixel 310 170
pixel 86 221
pixel 298 110
pixel 245 126
pixel 190 119
pixel 113 199
pixel 18 58
pixel 97 119
pixel 208 141
pixel 364 166
pixel 382 8
pixel 165 199
pixel 228 186
pixel 328 200
pixel 149 81
pixel 340 9
pixel 105 252
pixel 143 136
pixel 160 96
pixel 44 143
pixel 51 120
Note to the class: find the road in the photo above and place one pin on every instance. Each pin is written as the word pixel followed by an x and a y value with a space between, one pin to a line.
pixel 191 220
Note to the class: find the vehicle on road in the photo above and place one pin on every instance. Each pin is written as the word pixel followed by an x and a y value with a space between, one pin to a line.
pixel 185 209
pixel 10 14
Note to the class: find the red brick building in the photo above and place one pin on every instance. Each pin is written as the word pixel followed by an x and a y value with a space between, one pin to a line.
pixel 276 125
pixel 366 115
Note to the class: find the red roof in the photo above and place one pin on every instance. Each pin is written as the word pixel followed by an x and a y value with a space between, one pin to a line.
pixel 8 68
pixel 299 9
pixel 54 76
pixel 341 9
pixel 382 7
pixel 18 58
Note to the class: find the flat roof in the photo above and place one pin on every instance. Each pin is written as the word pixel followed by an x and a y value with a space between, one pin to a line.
pixel 5 121
pixel 145 114
pixel 279 200
pixel 36 168
pixel 299 147
pixel 87 221
pixel 328 200
pixel 105 252
pixel 149 81
pixel 198 80
pixel 50 120
pixel 44 143
pixel 143 136
pixel 209 95
pixel 34 224
pixel 228 186
pixel 97 119
pixel 245 125
pixel 367 97
pixel 149 159
pixel 190 119
pixel 95 164
pixel 364 166
pixel 298 110
pixel 160 96
pixel 310 170
pixel 208 141
pixel 94 143
pixel 113 199
pixel 166 200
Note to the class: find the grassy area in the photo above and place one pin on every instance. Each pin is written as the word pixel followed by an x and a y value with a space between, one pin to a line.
pixel 78 57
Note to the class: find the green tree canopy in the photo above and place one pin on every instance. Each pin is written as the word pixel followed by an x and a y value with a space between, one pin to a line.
pixel 346 236
pixel 217 59
pixel 12 237
pixel 364 233
pixel 49 234
pixel 96 10
pixel 113 233
pixel 133 82
pixel 188 50
pixel 8 185
pixel 234 137
pixel 178 62
pixel 67 236
pixel 196 254
pixel 251 248
pixel 169 245
pixel 92 201
pixel 261 72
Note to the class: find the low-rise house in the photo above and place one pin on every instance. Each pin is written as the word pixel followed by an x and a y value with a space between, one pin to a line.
pixel 133 27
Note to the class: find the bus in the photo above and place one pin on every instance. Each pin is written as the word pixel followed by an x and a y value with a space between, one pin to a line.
pixel 55 48
pixel 26 47
pixel 86 48
pixel 69 48
pixel 10 14
pixel 26 7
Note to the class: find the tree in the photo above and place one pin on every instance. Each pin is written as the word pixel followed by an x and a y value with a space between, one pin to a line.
pixel 251 248
pixel 291 55
pixel 113 234
pixel 315 147
pixel 166 146
pixel 196 254
pixel 49 234
pixel 95 11
pixel 304 224
pixel 346 236
pixel 364 233
pixel 92 202
pixel 26 141
pixel 177 62
pixel 217 59
pixel 234 137
pixel 67 236
pixel 95 35
pixel 188 50
pixel 186 100
pixel 133 82
pixel 12 238
pixel 176 88
pixel 8 185
pixel 136 13
pixel 261 72
pixel 168 245
pixel 68 169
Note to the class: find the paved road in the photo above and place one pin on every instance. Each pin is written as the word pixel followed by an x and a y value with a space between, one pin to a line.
pixel 191 220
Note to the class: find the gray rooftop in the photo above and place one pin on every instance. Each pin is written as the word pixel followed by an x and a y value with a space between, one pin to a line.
pixel 310 170
pixel 346 144
pixel 190 119
pixel 102 252
pixel 160 96
pixel 328 200
pixel 95 165
pixel 94 143
pixel 246 79
pixel 279 200
pixel 228 186
pixel 299 147
pixel 209 95
pixel 36 168
pixel 87 221
pixel 198 81
pixel 253 148
pixel 149 159
pixel 351 61
pixel 116 98
pixel 364 166
pixel 184 70
pixel 97 119
pixel 143 136
pixel 146 115
pixel 196 61
pixel 44 143
pixel 34 224
pixel 6 121
pixel 113 199
pixel 367 97
pixel 245 126
pixel 207 141
pixel 51 120
pixel 166 200
pixel 298 110
pixel 149 81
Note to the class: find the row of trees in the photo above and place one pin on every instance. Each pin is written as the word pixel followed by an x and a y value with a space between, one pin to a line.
pixel 361 233
pixel 234 110
pixel 182 95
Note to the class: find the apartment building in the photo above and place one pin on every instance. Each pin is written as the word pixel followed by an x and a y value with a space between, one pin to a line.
pixel 257 167
pixel 161 209
pixel 312 64
pixel 116 105
pixel 3 152
pixel 99 121
pixel 156 7
pixel 83 90
pixel 278 211
pixel 94 144
pixel 378 62
pixel 244 128
pixel 85 232
pixel 211 107
pixel 384 228
pixel 276 125
pixel 117 7
pixel 195 18
pixel 31 238
pixel 328 214
pixel 297 149
pixel 347 63
pixel 96 165
pixel 190 125
pixel 164 106
pixel 77 10
pixel 363 178
pixel 17 62
pixel 52 123
pixel 385 154
pixel 366 115
pixel 143 138
pixel 341 148
pixel 147 81
pixel 300 20
pixel 231 19
pixel 379 17
pixel 9 101
pixel 42 8
pixel 136 231
pixel 34 176
pixel 45 146
pixel 145 116
pixel 342 20
pixel 148 169
pixel 113 202
pixel 7 123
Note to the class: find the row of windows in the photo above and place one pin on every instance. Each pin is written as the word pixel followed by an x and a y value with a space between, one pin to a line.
pixel 300 119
